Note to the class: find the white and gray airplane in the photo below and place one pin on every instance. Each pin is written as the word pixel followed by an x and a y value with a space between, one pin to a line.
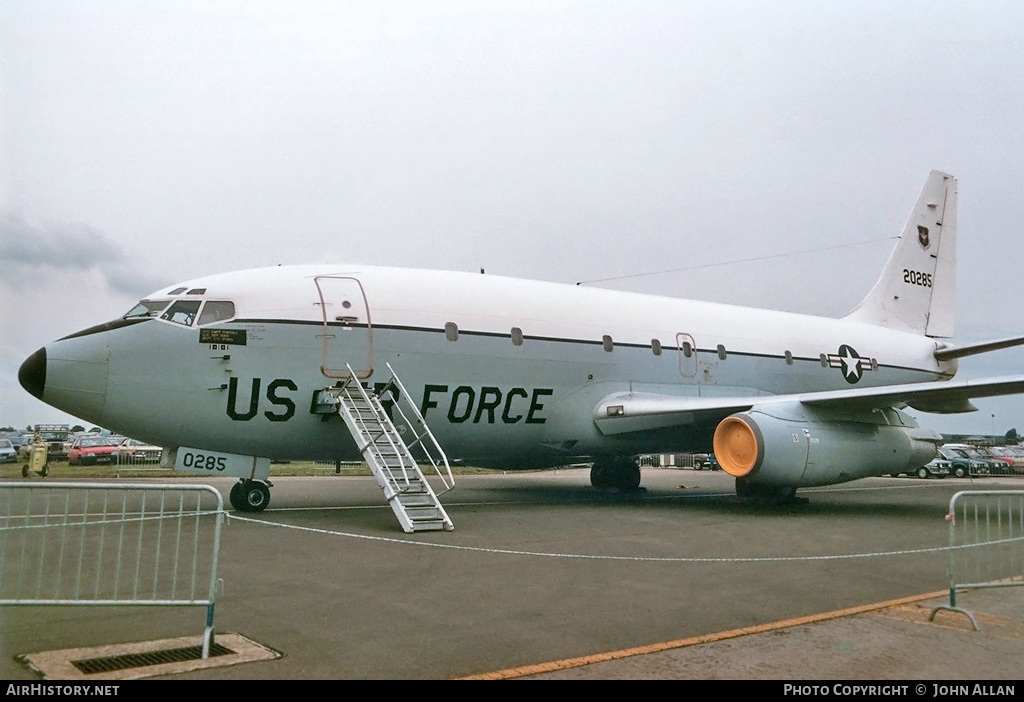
pixel 514 373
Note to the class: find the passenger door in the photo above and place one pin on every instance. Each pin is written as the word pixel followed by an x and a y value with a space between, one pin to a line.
pixel 347 329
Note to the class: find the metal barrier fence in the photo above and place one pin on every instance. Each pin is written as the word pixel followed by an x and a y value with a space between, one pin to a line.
pixel 986 543
pixel 149 459
pixel 674 460
pixel 110 544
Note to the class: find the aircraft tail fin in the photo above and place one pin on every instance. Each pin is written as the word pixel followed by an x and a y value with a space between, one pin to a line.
pixel 916 291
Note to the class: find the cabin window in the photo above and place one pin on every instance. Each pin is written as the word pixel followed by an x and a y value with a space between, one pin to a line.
pixel 182 312
pixel 687 349
pixel 874 364
pixel 789 358
pixel 216 311
pixel 451 331
pixel 607 343
pixel 196 291
pixel 824 361
pixel 517 336
pixel 721 352
pixel 656 347
pixel 177 291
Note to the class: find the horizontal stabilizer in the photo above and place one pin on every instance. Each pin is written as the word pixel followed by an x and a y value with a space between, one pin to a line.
pixel 632 412
pixel 951 352
pixel 942 398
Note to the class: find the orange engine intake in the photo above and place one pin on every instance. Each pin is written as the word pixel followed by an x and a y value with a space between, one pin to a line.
pixel 736 446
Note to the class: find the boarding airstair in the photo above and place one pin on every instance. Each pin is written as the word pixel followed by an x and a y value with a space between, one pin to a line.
pixel 388 429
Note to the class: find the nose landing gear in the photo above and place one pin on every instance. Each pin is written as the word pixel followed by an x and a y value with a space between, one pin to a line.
pixel 250 495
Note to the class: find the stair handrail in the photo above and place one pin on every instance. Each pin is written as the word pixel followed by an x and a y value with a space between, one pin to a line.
pixel 398 452
pixel 403 395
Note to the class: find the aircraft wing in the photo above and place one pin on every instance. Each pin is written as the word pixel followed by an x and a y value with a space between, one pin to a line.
pixel 630 412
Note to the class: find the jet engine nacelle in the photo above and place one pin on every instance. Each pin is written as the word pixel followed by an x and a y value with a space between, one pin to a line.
pixel 790 444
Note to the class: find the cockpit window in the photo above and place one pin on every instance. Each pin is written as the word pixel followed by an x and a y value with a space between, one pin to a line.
pixel 146 308
pixel 216 311
pixel 182 312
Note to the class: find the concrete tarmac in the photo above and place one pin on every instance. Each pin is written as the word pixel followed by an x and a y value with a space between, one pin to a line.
pixel 544 577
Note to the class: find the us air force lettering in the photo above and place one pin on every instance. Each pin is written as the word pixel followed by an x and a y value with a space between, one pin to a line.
pixel 317 362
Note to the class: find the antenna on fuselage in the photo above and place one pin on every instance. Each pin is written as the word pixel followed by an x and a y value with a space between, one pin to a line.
pixel 738 260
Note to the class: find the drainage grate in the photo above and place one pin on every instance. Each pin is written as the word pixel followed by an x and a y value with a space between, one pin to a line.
pixel 91 666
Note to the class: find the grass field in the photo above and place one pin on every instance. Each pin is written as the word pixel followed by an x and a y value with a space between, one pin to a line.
pixel 60 470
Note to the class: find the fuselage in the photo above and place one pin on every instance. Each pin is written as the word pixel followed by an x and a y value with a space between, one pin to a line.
pixel 506 372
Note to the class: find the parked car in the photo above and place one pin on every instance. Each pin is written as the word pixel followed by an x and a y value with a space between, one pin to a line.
pixel 965 460
pixel 91 449
pixel 1013 455
pixel 26 446
pixel 8 454
pixel 706 462
pixel 998 464
pixel 54 435
pixel 15 438
pixel 133 451
pixel 936 468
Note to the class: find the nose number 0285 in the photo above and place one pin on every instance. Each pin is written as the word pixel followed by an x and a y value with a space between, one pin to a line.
pixel 199 461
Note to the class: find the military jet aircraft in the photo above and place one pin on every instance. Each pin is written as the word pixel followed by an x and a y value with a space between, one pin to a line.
pixel 235 369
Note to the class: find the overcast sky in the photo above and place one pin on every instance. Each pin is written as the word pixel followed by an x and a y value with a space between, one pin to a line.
pixel 142 143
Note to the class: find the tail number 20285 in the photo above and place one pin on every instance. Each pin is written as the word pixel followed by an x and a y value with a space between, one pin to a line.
pixel 917 278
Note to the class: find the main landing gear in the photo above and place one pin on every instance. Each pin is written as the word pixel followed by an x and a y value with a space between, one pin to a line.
pixel 250 495
pixel 615 473
pixel 774 494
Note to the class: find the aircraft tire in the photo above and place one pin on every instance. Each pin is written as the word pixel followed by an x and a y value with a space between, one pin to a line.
pixel 629 477
pixel 615 474
pixel 600 477
pixel 257 496
pixel 235 496
pixel 768 493
pixel 250 496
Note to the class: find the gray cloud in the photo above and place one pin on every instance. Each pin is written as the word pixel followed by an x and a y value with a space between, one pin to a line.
pixel 28 250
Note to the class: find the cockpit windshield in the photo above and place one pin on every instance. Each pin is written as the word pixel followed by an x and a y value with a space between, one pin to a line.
pixel 216 311
pixel 183 312
pixel 146 308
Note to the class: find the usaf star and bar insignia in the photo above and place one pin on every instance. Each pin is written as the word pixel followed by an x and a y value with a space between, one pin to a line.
pixel 851 363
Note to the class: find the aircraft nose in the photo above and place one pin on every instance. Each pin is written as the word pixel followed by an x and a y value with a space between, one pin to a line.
pixel 32 374
pixel 71 375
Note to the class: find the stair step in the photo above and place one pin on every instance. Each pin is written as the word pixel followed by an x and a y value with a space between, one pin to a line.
pixel 422 511
pixel 411 501
pixel 433 525
pixel 410 489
